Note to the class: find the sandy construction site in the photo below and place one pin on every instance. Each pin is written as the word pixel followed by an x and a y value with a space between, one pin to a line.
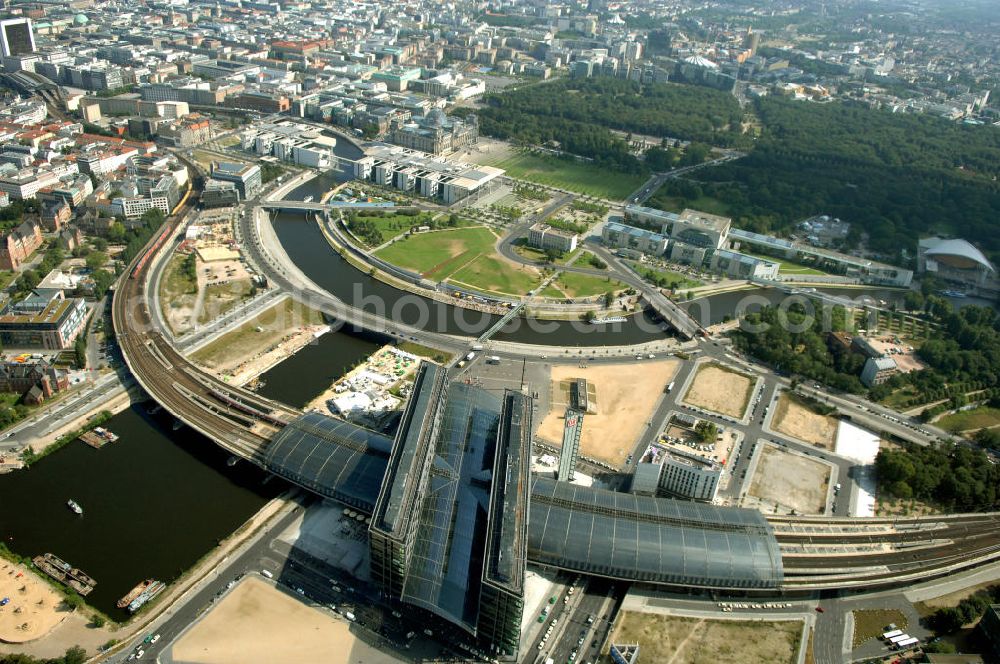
pixel 796 420
pixel 257 623
pixel 33 608
pixel 719 390
pixel 790 481
pixel 625 395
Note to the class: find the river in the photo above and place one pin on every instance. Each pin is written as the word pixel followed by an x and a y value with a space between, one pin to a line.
pixel 298 379
pixel 154 503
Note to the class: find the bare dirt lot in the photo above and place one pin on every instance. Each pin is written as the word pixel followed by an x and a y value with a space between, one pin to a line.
pixel 673 640
pixel 625 396
pixel 796 420
pixel 34 608
pixel 792 481
pixel 257 622
pixel 719 390
pixel 276 332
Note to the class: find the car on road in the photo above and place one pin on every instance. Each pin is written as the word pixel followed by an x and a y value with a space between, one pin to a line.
pixel 820 609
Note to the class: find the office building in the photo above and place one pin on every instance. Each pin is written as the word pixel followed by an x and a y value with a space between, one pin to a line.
pixel 676 473
pixel 47 321
pixel 16 37
pixel 542 236
pixel 570 450
pixel 219 194
pixel 877 370
pixel 448 534
pixel 863 270
pixel 17 245
pixel 246 177
pixel 634 240
pixel 422 173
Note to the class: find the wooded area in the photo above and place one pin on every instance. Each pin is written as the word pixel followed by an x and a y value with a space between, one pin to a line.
pixel 896 176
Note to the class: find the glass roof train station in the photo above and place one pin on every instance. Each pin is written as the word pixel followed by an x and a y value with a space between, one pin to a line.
pixel 456 514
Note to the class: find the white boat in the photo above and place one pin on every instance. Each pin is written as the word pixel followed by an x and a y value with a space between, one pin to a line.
pixel 75 506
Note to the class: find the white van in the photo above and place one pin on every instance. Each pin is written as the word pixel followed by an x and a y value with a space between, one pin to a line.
pixel 266 573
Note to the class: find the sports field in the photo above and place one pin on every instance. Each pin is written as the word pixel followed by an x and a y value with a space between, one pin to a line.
pixel 576 176
pixel 462 255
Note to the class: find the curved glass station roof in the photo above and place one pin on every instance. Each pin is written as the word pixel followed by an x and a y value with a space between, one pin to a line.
pixel 595 531
pixel 334 458
pixel 654 540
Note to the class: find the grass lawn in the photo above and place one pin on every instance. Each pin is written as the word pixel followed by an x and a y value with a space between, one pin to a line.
pixel 533 254
pixel 575 284
pixel 576 176
pixel 491 273
pixel 229 141
pixel 222 298
pixel 552 291
pixel 178 292
pixel 393 225
pixel 977 418
pixel 678 204
pixel 5 278
pixel 665 278
pixel 439 254
pixel 664 638
pixel 205 159
pixel 871 624
pixel 258 334
pixel 787 266
pixel 424 351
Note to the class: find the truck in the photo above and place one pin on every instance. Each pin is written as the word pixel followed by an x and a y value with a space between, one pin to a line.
pixel 493 359
pixel 670 387
pixel 477 347
pixel 266 573
pixel 469 356
pixel 892 633
pixel 350 616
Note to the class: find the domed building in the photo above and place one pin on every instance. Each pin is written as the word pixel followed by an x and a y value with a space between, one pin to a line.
pixel 80 20
pixel 957 261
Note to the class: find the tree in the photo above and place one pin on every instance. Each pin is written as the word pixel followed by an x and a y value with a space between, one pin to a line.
pixel 100 244
pixel 552 255
pixel 75 655
pixel 707 431
pixel 98 621
pixel 609 298
pixel 116 232
pixel 80 350
pixel 590 316
pixel 96 259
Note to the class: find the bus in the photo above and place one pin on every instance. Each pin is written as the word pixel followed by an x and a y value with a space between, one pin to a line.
pixel 888 635
pixel 896 639
pixel 908 643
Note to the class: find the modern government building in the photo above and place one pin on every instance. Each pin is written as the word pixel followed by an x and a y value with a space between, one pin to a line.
pixel 456 515
pixel 709 241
